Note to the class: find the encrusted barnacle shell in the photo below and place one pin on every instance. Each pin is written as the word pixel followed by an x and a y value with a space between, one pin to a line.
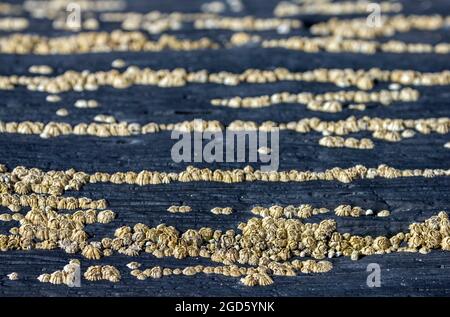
pixel 91 252
pixel 105 216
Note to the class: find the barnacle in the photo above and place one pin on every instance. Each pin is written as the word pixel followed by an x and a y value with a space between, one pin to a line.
pixel 133 265
pixel 122 232
pixel 5 217
pixel 177 271
pixel 90 216
pixel 91 252
pixel 445 243
pixel 383 213
pixel 79 236
pixel 155 272
pixel 222 211
pixel 57 277
pixel 94 273
pixel 250 280
pixel 110 273
pixel 44 278
pixel 343 210
pixel 276 235
pixel 381 243
pixel 105 216
pixel 189 271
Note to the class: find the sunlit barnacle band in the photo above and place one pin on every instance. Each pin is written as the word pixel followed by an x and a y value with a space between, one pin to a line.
pixel 327 102
pixel 26 181
pixel 387 129
pixel 270 245
pixel 88 80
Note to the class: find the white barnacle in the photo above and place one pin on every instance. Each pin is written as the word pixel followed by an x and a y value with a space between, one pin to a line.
pixel 93 273
pixel 250 280
pixel 44 278
pixel 53 98
pixel 105 216
pixel 110 273
pixel 118 63
pixel 173 209
pixel 133 265
pixel 222 210
pixel 180 209
pixel 91 252
pixel 383 213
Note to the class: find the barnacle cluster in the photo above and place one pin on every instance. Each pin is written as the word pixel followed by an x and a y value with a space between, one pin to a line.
pixel 29 187
pixel 117 40
pixel 387 129
pixel 251 276
pixel 290 211
pixel 327 102
pixel 285 8
pixel 136 41
pixel 88 80
pixel 222 210
pixel 358 27
pixel 305 211
pixel 269 243
pixel 67 275
pixel 179 209
pixel 102 272
pixel 335 44
pixel 353 143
